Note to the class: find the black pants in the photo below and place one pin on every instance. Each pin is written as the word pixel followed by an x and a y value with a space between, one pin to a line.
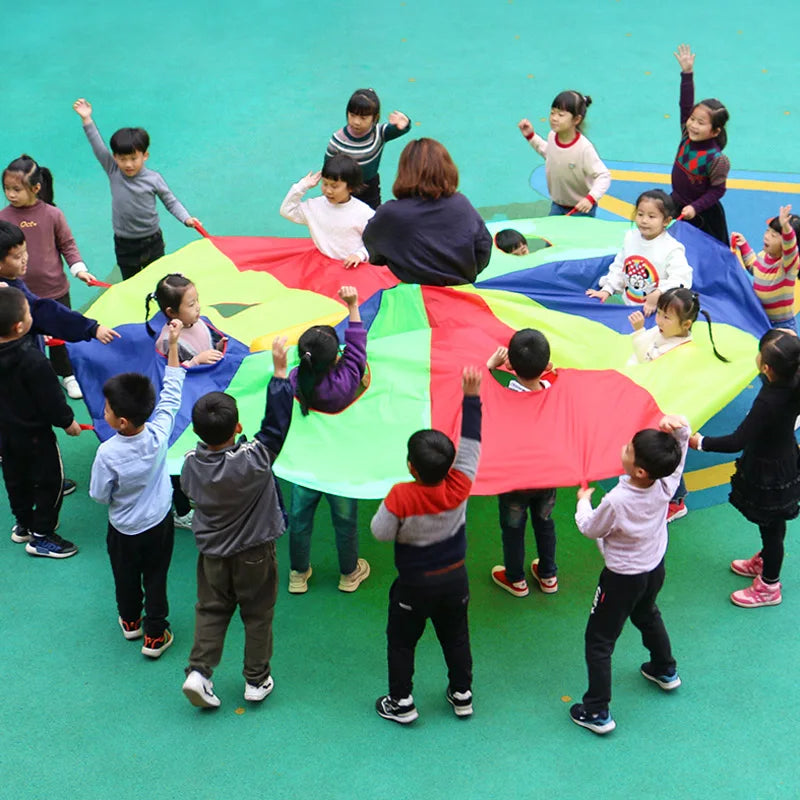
pixel 34 478
pixel 140 564
pixel 58 355
pixel 445 604
pixel 617 598
pixel 133 255
pixel 713 222
pixel 179 498
pixel 370 192
pixel 772 536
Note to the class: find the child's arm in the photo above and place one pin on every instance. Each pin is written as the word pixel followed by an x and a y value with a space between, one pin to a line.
pixel 399 125
pixel 679 427
pixel 102 481
pixel 52 319
pixel 675 271
pixel 594 523
pixel 498 359
pixel 83 108
pixel 65 244
pixel 469 445
pixel 169 401
pixel 292 205
pixel 280 400
pixel 641 339
pixel 535 141
pixel 685 58
pixel 601 180
pixel 789 256
pixel 614 280
pixel 748 431
pixel 385 525
pixel 172 204
pixel 747 253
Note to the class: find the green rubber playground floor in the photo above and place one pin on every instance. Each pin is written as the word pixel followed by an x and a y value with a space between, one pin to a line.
pixel 239 100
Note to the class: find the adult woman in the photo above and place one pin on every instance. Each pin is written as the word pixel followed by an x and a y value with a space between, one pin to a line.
pixel 430 234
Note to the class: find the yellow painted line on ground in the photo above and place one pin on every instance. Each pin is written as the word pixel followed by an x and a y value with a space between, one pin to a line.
pixel 616 206
pixel 709 477
pixel 779 187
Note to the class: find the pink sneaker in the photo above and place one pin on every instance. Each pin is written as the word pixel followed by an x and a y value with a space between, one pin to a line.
pixel 518 588
pixel 547 585
pixel 759 594
pixel 748 567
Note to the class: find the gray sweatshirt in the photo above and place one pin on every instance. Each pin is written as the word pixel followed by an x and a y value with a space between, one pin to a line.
pixel 133 200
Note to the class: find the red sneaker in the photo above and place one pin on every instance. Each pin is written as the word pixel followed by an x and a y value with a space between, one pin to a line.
pixel 547 585
pixel 518 588
pixel 677 510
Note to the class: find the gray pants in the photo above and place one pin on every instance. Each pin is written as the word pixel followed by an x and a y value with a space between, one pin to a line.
pixel 248 580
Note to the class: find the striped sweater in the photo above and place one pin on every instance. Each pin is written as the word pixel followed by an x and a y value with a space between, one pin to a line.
pixel 428 523
pixel 367 150
pixel 773 278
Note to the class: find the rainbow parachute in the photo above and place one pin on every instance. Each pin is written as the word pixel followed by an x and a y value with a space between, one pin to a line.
pixel 419 339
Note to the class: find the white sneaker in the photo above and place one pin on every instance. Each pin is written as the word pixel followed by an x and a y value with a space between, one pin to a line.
pixel 255 694
pixel 298 581
pixel 351 582
pixel 184 521
pixel 72 387
pixel 200 691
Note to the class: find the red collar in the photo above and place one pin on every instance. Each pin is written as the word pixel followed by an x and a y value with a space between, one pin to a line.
pixel 568 144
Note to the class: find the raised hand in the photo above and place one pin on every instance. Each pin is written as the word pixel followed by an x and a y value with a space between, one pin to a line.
pixel 498 358
pixel 279 357
pixel 471 381
pixel 399 120
pixel 685 57
pixel 636 320
pixel 525 128
pixel 83 108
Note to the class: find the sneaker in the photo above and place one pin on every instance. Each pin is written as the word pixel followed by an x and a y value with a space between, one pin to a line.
pixel 200 691
pixel 547 585
pixel 517 588
pixel 461 702
pixel 68 487
pixel 298 581
pixel 748 567
pixel 666 682
pixel 183 520
pixel 676 510
pixel 351 582
pixel 256 694
pixel 50 546
pixel 20 534
pixel 131 630
pixel 72 387
pixel 757 594
pixel 601 722
pixel 154 646
pixel 403 711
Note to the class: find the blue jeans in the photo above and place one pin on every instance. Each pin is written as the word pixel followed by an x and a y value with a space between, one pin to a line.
pixel 514 507
pixel 344 516
pixel 680 492
pixel 559 211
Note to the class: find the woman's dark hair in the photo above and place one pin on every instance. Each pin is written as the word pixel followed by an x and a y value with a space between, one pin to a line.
pixel 686 304
pixel 345 168
pixel 664 202
pixel 168 293
pixel 364 103
pixel 780 351
pixel 318 348
pixel 425 170
pixel 573 102
pixel 719 117
pixel 33 174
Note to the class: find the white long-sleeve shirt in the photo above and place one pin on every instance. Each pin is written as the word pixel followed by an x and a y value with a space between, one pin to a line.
pixel 630 524
pixel 650 343
pixel 644 265
pixel 335 228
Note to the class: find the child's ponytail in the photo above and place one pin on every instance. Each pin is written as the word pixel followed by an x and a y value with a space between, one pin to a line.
pixel 151 296
pixel 32 175
pixel 780 351
pixel 710 334
pixel 318 347
pixel 686 305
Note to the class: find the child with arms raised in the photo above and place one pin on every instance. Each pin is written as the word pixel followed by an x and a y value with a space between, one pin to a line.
pixel 651 260
pixel 630 527
pixel 426 520
pixel 238 518
pixel 336 220
pixel 576 177
pixel 130 476
pixel 326 382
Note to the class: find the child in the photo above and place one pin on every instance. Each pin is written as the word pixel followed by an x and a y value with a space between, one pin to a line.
pixel 700 170
pixel 337 219
pixel 31 405
pixel 363 139
pixel 239 516
pixel 137 236
pixel 510 241
pixel 426 519
pixel 576 177
pixel 528 356
pixel 774 270
pixel 130 476
pixel 651 260
pixel 765 487
pixel 630 526
pixel 326 382
pixel 29 189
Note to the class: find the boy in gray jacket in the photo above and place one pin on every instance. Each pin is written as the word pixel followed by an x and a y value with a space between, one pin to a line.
pixel 238 516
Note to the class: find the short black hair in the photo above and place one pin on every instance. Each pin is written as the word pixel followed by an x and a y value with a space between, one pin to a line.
pixel 11 236
pixel 364 103
pixel 131 395
pixel 431 453
pixel 214 418
pixel 508 240
pixel 794 221
pixel 126 141
pixel 342 167
pixel 656 452
pixel 529 353
pixel 12 308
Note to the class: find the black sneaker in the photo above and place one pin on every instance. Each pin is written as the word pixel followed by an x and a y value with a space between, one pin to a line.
pixel 50 546
pixel 461 702
pixel 390 709
pixel 154 646
pixel 68 487
pixel 600 722
pixel 20 534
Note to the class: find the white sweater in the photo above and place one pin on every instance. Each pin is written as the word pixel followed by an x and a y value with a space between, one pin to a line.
pixel 649 344
pixel 335 228
pixel 644 265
